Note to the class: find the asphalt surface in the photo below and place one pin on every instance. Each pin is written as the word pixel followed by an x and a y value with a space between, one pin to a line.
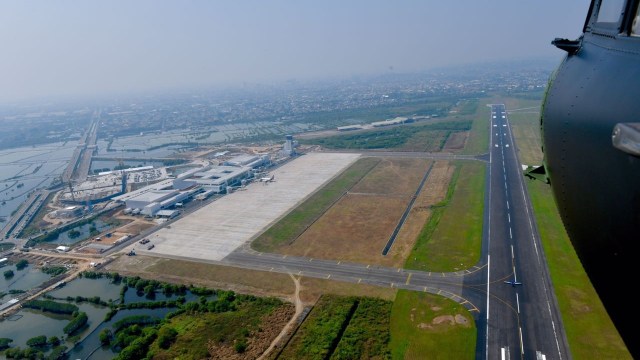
pixel 520 320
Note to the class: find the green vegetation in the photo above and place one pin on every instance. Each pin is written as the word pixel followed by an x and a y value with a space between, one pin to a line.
pixel 73 234
pixel 478 142
pixel 105 336
pixel 53 270
pixel 452 237
pixel 343 328
pixel 18 353
pixel 427 326
pixel 318 336
pixel 4 343
pixel 467 107
pixel 76 323
pixel 367 336
pixel 51 306
pixel 415 137
pixel 20 265
pixel 134 320
pixel 8 274
pixel 589 329
pixel 419 104
pixel 37 341
pixel 187 333
pixel 139 347
pixel 57 353
pixel 53 341
pixel 296 222
pixel 166 337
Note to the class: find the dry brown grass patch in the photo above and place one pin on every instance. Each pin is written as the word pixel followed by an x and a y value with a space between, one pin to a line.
pixel 355 229
pixel 434 191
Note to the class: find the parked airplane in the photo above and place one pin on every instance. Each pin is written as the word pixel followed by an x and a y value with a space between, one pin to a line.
pixel 268 178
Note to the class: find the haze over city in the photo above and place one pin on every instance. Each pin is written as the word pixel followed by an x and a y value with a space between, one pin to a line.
pixel 67 48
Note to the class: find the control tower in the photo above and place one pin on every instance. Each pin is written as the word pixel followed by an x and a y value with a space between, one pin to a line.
pixel 288 147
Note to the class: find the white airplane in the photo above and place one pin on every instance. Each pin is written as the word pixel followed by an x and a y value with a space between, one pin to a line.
pixel 513 283
pixel 268 178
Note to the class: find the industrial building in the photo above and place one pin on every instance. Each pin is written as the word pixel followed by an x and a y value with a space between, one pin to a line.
pixel 68 212
pixel 216 178
pixel 252 161
pixel 151 202
pixel 109 184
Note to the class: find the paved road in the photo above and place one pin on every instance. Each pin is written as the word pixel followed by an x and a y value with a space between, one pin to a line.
pixel 519 321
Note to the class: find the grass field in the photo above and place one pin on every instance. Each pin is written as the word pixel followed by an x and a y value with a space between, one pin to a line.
pixel 426 326
pixel 452 237
pixel 427 136
pixel 527 134
pixel 478 141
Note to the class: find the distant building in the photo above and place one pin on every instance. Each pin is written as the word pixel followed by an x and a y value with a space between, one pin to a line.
pixel 216 178
pixel 252 161
pixel 396 121
pixel 69 212
pixel 350 127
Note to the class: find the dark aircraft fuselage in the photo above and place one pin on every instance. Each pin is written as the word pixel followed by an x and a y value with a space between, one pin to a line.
pixel 596 184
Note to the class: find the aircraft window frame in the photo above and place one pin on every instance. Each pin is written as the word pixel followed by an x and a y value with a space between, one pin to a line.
pixel 634 20
pixel 609 27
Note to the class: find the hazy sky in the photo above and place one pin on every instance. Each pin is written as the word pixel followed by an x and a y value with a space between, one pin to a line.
pixel 60 48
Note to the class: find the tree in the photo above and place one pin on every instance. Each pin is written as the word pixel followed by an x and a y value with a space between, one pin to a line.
pixel 240 346
pixel 4 343
pixel 76 323
pixel 166 337
pixel 54 341
pixel 23 263
pixel 105 336
pixel 8 274
pixel 37 341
